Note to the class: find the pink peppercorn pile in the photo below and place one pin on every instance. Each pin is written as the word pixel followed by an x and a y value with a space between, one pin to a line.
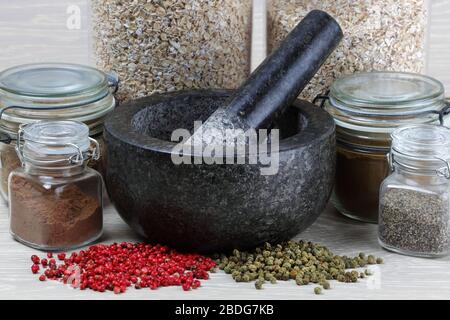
pixel 116 267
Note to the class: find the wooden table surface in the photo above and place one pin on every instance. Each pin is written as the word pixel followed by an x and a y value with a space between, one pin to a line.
pixel 400 277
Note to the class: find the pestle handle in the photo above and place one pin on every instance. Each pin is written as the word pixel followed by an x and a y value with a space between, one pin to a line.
pixel 281 77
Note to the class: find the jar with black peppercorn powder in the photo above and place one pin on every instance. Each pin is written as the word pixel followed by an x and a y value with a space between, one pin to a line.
pixel 55 200
pixel 51 91
pixel 367 107
pixel 415 198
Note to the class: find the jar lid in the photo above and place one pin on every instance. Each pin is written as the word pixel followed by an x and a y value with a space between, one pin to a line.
pixel 40 91
pixel 422 148
pixel 422 141
pixel 386 93
pixel 55 143
pixel 53 81
pixel 376 103
pixel 56 137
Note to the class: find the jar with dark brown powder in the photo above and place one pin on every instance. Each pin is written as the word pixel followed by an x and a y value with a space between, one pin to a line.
pixel 367 107
pixel 55 199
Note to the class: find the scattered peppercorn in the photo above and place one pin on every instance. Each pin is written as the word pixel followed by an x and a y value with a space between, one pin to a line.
pixel 258 284
pixel 35 259
pixel 325 284
pixel 35 268
pixel 379 260
pixel 116 267
pixel 304 262
pixel 318 290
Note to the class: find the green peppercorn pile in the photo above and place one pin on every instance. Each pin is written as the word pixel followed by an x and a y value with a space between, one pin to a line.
pixel 304 262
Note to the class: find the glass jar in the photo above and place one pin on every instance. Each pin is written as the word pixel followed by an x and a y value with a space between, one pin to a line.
pixel 414 216
pixel 385 35
pixel 55 200
pixel 50 91
pixel 367 107
pixel 165 46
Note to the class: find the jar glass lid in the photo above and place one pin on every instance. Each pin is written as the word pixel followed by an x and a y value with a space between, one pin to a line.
pixel 386 92
pixel 41 91
pixel 53 80
pixel 422 141
pixel 55 138
pixel 379 102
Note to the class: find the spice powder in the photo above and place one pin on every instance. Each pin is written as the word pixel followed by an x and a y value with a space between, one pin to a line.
pixel 61 216
pixel 358 179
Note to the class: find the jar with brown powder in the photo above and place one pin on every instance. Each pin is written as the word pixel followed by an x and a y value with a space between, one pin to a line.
pixel 367 108
pixel 51 91
pixel 55 199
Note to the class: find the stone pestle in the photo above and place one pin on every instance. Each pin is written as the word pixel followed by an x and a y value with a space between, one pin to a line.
pixel 275 84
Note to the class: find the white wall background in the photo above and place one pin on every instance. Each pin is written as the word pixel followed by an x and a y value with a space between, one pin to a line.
pixel 52 30
pixel 44 30
pixel 438 51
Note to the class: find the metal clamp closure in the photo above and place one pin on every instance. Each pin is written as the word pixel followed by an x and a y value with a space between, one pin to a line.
pixel 441 113
pixel 322 98
pixel 77 159
pixel 445 171
pixel 113 81
pixel 442 172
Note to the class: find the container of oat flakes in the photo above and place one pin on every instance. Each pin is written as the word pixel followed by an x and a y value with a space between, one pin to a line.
pixel 51 91
pixel 164 46
pixel 385 35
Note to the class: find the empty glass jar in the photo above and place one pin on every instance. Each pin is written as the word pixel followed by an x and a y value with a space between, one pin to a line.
pixel 50 91
pixel 55 200
pixel 367 107
pixel 414 207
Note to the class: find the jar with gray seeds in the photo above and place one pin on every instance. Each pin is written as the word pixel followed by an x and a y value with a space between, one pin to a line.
pixel 414 212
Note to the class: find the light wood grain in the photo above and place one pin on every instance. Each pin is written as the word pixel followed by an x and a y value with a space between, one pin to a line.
pixel 401 277
pixel 36 31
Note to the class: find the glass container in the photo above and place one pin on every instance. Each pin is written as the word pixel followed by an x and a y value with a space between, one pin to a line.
pixel 367 107
pixel 414 207
pixel 55 199
pixel 171 45
pixel 50 91
pixel 389 35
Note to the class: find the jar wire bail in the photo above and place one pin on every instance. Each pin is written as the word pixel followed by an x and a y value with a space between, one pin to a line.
pixel 5 138
pixel 442 172
pixel 442 113
pixel 77 159
pixel 322 98
pixel 113 81
pixel 113 84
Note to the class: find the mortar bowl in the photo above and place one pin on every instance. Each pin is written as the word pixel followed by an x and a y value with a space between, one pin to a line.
pixel 215 207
